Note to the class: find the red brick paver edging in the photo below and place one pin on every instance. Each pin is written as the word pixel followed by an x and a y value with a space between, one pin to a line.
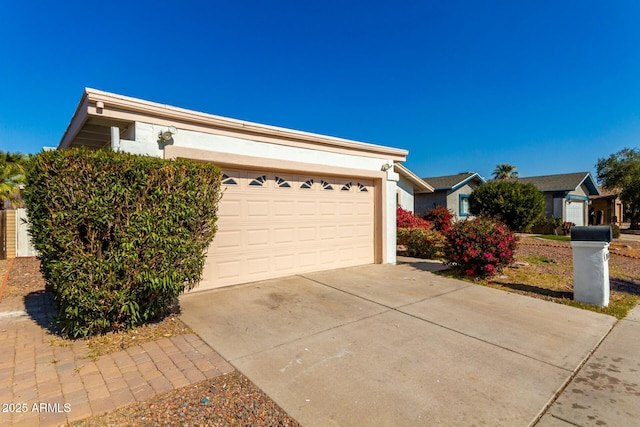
pixel 48 384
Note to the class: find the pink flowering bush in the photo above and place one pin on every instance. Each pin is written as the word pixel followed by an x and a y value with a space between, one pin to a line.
pixel 441 218
pixel 418 236
pixel 406 219
pixel 480 247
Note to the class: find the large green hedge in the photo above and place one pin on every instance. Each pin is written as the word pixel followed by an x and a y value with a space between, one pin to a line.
pixel 518 205
pixel 119 236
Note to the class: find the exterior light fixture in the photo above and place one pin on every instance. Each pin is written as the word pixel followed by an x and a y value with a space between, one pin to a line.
pixel 168 134
pixel 386 167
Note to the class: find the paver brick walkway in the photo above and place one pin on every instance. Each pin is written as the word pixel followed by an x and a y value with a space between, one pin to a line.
pixel 45 383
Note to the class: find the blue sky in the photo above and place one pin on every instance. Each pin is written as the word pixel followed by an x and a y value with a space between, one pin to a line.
pixel 549 86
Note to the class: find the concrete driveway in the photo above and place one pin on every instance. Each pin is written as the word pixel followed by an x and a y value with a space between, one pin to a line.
pixel 396 345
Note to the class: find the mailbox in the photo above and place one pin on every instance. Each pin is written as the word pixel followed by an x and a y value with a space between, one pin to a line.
pixel 591 264
pixel 597 233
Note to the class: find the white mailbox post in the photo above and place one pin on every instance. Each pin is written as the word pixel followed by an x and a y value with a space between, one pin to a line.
pixel 591 264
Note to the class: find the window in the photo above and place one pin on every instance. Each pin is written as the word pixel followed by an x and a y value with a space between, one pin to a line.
pixel 281 183
pixel 259 181
pixel 362 188
pixel 226 179
pixel 464 205
pixel 346 187
pixel 325 185
pixel 307 184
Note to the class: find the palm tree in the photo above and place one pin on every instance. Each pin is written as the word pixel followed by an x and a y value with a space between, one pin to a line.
pixel 11 177
pixel 505 171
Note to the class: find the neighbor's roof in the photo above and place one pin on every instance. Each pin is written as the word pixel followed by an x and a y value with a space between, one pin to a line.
pixel 563 182
pixel 419 185
pixel 606 194
pixel 98 111
pixel 452 182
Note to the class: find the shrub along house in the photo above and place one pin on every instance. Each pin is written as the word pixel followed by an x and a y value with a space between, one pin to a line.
pixel 451 192
pixel 566 195
pixel 294 201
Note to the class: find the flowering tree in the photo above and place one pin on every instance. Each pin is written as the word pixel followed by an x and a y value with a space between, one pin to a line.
pixel 441 218
pixel 406 219
pixel 480 247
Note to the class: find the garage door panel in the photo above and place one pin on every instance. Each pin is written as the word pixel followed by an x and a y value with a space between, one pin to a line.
pixel 257 208
pixel 228 239
pixel 283 235
pixel 284 263
pixel 284 208
pixel 257 237
pixel 307 234
pixel 307 259
pixel 271 229
pixel 230 209
pixel 307 208
pixel 346 232
pixel 228 269
pixel 326 256
pixel 257 265
pixel 327 232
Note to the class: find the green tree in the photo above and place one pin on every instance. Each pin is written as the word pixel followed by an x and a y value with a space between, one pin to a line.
pixel 505 171
pixel 518 205
pixel 11 177
pixel 621 171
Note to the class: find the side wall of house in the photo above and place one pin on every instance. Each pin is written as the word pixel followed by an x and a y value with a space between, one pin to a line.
pixel 426 201
pixel 453 199
pixel 404 195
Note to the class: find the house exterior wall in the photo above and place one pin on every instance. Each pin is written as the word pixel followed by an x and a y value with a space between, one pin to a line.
pixel 224 149
pixel 404 194
pixel 447 198
pixel 581 191
pixel 549 208
pixel 453 199
pixel 426 201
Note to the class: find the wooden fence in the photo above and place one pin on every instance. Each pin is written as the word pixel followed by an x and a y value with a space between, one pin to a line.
pixel 15 240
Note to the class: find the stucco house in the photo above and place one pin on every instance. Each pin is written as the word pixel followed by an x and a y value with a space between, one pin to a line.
pixel 566 195
pixel 606 208
pixel 409 186
pixel 294 201
pixel 451 191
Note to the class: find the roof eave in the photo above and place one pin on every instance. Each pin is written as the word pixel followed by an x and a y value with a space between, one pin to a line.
pixel 422 186
pixel 138 107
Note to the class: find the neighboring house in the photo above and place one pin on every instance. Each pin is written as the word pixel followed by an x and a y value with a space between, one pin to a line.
pixel 294 202
pixel 451 191
pixel 566 195
pixel 409 185
pixel 606 208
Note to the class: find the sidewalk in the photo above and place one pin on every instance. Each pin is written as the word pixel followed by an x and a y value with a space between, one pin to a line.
pixel 606 391
pixel 43 383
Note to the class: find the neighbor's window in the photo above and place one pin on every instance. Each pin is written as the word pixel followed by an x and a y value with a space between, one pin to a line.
pixel 464 204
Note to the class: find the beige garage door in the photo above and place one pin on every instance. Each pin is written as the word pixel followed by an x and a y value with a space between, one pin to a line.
pixel 277 224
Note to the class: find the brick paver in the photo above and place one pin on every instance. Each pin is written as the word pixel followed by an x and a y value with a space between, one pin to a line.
pixel 48 384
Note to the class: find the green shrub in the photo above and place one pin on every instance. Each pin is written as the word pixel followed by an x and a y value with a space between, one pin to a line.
pixel 119 236
pixel 615 230
pixel 518 205
pixel 480 247
pixel 547 225
pixel 421 242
